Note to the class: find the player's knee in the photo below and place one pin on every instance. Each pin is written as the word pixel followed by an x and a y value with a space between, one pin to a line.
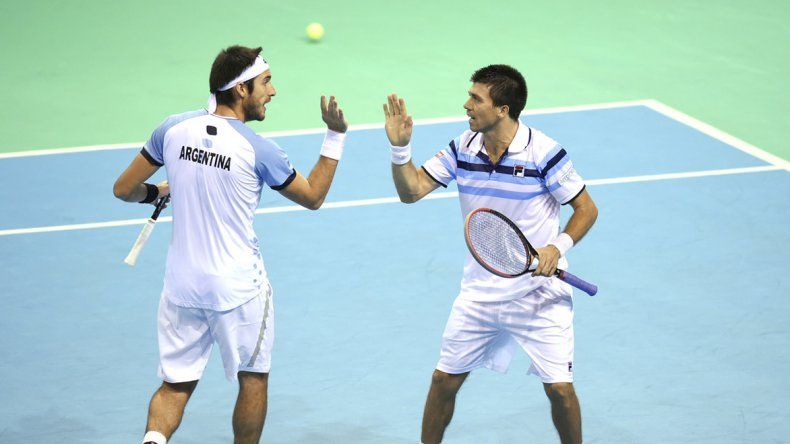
pixel 180 387
pixel 560 391
pixel 250 382
pixel 447 382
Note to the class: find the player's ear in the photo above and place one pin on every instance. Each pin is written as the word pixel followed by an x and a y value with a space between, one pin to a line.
pixel 241 89
pixel 504 110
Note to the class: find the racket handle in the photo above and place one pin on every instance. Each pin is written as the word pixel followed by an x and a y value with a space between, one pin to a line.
pixel 578 282
pixel 131 258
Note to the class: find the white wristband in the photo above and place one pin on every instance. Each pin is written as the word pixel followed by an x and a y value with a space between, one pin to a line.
pixel 333 144
pixel 563 242
pixel 156 437
pixel 401 154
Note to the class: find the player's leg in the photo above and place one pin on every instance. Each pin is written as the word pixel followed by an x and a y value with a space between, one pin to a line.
pixel 565 411
pixel 167 408
pixel 245 336
pixel 440 405
pixel 542 323
pixel 184 350
pixel 471 339
pixel 250 412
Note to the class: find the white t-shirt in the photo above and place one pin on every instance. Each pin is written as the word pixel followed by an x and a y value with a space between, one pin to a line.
pixel 216 168
pixel 532 178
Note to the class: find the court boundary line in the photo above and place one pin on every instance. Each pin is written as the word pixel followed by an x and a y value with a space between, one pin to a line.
pixel 716 133
pixel 311 131
pixel 652 104
pixel 389 200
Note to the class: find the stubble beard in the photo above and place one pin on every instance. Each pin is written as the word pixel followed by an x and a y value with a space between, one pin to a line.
pixel 254 112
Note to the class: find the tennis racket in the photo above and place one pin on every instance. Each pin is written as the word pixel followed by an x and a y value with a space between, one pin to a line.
pixel 131 258
pixel 500 247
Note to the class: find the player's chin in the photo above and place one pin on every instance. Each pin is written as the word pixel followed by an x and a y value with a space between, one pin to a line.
pixel 260 114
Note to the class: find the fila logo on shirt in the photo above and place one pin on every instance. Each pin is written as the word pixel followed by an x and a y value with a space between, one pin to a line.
pixel 570 366
pixel 518 170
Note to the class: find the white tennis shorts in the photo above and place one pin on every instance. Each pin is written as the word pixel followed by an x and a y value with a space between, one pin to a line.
pixel 245 336
pixel 485 334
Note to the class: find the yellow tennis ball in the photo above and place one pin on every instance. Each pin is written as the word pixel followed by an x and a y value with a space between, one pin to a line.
pixel 314 31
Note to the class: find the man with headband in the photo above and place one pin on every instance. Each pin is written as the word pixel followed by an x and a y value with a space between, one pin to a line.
pixel 216 288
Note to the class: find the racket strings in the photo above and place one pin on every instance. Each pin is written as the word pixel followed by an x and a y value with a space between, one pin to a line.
pixel 497 244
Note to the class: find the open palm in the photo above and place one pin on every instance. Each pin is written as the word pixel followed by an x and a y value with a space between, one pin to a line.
pixel 398 123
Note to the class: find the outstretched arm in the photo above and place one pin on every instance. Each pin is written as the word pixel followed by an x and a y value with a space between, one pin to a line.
pixel 311 191
pixel 411 183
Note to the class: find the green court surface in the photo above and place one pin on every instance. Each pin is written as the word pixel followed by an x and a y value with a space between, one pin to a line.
pixel 87 73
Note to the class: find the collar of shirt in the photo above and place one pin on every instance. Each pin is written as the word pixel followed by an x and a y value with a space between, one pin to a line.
pixel 520 142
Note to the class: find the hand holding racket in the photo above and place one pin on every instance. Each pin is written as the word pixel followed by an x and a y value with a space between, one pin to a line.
pixel 131 258
pixel 500 247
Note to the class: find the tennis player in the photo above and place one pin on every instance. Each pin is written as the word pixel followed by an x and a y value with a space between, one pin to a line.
pixel 216 288
pixel 502 164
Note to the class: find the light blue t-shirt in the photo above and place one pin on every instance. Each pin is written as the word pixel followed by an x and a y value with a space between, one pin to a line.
pixel 216 168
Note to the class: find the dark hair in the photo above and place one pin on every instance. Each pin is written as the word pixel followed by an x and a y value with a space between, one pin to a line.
pixel 508 87
pixel 231 62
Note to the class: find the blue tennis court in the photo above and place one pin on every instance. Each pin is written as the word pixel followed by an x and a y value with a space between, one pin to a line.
pixel 685 342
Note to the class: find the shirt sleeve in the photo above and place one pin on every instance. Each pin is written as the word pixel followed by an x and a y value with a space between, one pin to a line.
pixel 153 150
pixel 272 165
pixel 442 167
pixel 559 175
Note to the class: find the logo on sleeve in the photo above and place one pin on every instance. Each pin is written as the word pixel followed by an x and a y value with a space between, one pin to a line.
pixel 570 175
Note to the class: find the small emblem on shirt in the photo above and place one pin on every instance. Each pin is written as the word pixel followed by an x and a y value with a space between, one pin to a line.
pixel 570 366
pixel 199 155
pixel 518 170
pixel 569 175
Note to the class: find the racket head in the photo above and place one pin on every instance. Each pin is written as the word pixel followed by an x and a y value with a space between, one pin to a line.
pixel 497 244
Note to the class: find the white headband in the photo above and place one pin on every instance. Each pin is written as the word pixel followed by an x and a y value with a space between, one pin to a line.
pixel 257 68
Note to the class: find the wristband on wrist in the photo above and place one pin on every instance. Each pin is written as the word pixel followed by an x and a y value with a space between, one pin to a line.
pixel 152 192
pixel 563 242
pixel 401 154
pixel 154 437
pixel 333 144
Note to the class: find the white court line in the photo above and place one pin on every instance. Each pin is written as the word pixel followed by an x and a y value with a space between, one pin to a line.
pixel 717 133
pixel 389 200
pixel 303 132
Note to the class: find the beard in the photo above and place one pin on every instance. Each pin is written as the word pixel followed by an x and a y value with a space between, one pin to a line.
pixel 253 111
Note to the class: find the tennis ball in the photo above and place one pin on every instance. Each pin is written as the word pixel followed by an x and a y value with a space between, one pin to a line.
pixel 314 31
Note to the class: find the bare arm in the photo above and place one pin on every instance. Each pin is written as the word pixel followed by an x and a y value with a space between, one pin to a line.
pixel 129 185
pixel 411 183
pixel 584 215
pixel 311 191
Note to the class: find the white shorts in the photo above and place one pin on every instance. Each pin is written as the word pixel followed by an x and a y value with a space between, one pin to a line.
pixel 245 336
pixel 485 334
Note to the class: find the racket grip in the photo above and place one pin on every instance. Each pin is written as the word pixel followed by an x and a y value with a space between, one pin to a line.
pixel 578 282
pixel 131 258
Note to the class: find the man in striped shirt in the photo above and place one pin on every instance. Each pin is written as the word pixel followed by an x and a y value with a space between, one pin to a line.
pixel 502 164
